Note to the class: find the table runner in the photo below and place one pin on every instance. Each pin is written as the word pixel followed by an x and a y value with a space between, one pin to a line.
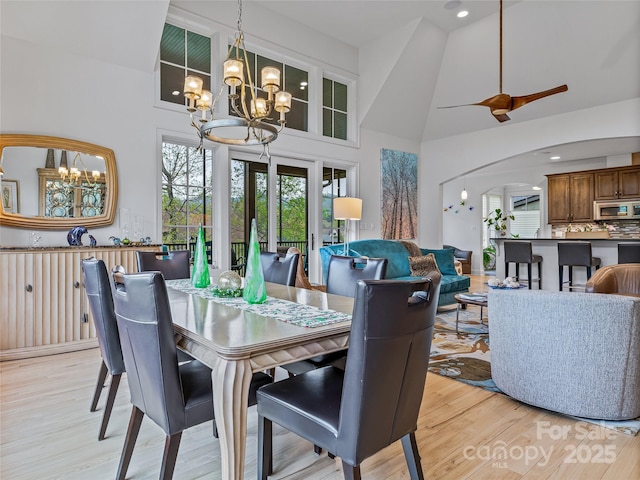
pixel 283 310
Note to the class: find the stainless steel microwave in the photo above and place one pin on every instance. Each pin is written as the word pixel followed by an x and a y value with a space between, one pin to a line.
pixel 616 210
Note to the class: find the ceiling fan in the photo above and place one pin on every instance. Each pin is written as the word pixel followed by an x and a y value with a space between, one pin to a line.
pixel 503 103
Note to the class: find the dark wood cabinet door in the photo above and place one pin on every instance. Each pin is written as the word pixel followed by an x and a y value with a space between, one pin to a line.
pixel 559 203
pixel 629 183
pixel 606 185
pixel 581 192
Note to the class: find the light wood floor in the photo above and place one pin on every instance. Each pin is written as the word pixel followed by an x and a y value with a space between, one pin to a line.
pixel 47 432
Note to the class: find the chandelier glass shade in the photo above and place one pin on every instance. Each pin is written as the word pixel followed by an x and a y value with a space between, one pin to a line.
pixel 250 126
pixel 74 175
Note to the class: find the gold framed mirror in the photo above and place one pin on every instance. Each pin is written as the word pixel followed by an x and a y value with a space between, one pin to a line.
pixel 54 183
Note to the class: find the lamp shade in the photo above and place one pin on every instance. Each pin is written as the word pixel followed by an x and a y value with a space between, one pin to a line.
pixel 347 208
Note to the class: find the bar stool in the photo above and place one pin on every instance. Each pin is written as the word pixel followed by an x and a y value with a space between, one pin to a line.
pixel 575 254
pixel 521 252
pixel 629 253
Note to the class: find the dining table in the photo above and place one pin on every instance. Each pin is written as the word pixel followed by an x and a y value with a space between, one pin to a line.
pixel 236 339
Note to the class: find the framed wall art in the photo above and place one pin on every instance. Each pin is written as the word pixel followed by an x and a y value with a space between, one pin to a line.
pixel 399 194
pixel 10 196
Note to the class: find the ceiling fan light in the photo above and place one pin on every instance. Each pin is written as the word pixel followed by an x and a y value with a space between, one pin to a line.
pixel 500 111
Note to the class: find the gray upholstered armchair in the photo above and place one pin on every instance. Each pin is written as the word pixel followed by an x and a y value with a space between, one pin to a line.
pixel 463 256
pixel 573 353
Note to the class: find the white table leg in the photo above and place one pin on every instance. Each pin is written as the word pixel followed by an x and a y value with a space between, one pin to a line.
pixel 231 381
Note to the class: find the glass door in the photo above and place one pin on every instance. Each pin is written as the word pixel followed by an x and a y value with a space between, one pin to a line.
pixel 278 197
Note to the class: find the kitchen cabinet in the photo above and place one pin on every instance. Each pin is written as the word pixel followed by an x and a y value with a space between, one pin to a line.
pixel 617 183
pixel 44 308
pixel 570 197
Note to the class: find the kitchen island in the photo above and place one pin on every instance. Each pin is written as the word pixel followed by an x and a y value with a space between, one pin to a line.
pixel 604 248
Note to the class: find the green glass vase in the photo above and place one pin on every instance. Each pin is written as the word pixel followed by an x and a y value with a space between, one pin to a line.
pixel 255 290
pixel 200 274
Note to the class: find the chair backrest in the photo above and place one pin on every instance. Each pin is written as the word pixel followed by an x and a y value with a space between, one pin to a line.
pixel 98 289
pixel 344 273
pixel 173 264
pixel 278 268
pixel 622 278
pixel 574 253
pixel 629 253
pixel 389 345
pixel 149 350
pixel 302 281
pixel 518 252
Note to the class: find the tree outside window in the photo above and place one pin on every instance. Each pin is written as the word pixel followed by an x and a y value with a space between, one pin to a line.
pixel 187 196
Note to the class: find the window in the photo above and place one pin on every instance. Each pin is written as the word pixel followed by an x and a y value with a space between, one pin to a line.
pixel 334 184
pixel 526 210
pixel 294 81
pixel 187 195
pixel 489 203
pixel 334 109
pixel 182 53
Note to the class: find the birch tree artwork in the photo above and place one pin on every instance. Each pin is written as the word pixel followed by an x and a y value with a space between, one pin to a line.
pixel 399 187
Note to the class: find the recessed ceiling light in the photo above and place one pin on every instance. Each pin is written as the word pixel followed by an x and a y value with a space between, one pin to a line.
pixel 555 157
pixel 452 4
pixel 462 13
pixel 536 188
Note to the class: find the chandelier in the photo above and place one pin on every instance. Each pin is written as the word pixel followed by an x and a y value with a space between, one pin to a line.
pixel 72 175
pixel 250 127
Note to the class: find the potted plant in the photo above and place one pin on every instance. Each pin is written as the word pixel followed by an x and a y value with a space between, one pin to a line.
pixel 498 221
pixel 489 257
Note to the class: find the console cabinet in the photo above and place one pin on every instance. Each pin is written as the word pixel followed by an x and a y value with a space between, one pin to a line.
pixel 570 197
pixel 44 308
pixel 617 183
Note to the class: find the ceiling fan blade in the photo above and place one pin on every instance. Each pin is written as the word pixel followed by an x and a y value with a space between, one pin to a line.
pixel 501 100
pixel 518 102
pixel 502 117
pixel 456 106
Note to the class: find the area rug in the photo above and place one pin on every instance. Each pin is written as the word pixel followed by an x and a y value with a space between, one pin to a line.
pixel 466 356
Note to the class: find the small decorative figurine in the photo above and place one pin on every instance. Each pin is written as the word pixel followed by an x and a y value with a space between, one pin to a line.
pixel 74 237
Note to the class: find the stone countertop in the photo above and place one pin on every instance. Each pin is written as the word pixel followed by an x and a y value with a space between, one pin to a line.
pixel 80 247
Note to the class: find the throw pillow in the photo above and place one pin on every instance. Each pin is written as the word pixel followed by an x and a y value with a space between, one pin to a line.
pixel 445 259
pixel 422 265
pixel 412 248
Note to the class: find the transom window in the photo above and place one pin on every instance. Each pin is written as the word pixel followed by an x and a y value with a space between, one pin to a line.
pixel 182 53
pixel 334 109
pixel 294 81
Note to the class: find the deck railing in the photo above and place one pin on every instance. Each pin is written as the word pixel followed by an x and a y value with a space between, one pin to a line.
pixel 239 251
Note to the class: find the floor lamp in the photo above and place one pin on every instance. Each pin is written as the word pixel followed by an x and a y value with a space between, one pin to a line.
pixel 347 208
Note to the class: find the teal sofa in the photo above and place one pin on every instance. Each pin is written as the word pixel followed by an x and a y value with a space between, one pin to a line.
pixel 398 268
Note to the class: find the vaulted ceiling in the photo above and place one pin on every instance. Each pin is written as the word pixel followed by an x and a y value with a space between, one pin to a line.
pixel 436 59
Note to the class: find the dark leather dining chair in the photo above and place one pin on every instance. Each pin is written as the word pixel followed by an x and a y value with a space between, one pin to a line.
pixel 342 277
pixel 173 264
pixel 344 272
pixel 355 413
pixel 98 289
pixel 278 268
pixel 176 396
